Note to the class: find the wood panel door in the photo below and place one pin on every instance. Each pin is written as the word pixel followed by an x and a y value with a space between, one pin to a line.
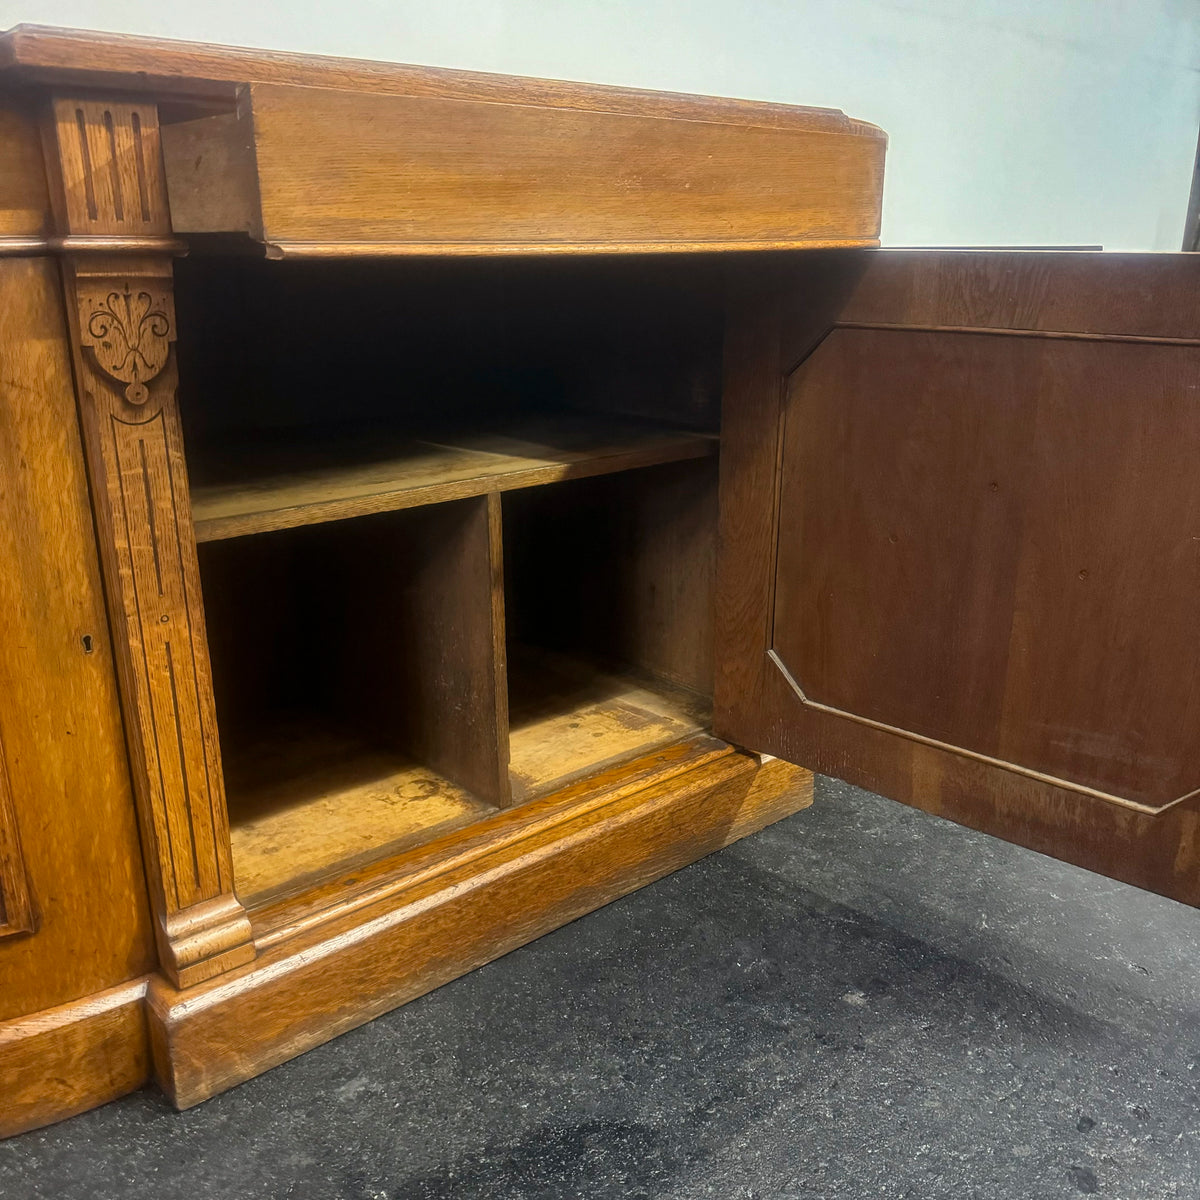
pixel 960 556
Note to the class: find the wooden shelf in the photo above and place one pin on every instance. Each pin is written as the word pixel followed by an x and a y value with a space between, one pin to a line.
pixel 255 490
pixel 305 801
pixel 571 718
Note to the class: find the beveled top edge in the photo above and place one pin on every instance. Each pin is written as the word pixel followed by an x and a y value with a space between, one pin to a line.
pixel 48 54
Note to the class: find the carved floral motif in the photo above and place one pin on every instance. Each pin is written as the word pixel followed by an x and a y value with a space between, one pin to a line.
pixel 130 332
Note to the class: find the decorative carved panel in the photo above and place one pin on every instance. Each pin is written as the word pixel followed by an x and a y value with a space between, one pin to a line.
pixel 110 172
pixel 129 334
pixel 123 326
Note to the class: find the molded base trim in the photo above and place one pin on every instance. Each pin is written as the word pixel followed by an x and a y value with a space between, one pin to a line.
pixel 311 988
pixel 495 893
pixel 65 1060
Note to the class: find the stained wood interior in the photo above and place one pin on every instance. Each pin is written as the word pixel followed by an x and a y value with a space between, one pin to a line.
pixel 359 693
pixel 977 566
pixel 573 715
pixel 321 352
pixel 312 798
pixel 302 481
pixel 367 470
pixel 609 594
pixel 972 556
pixel 378 684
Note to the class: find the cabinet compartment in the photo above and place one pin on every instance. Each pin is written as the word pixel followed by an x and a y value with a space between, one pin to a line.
pixel 393 442
pixel 609 595
pixel 351 665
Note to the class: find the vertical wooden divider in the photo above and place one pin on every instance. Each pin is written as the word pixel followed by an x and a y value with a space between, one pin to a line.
pixel 499 682
pixel 427 666
pixel 109 195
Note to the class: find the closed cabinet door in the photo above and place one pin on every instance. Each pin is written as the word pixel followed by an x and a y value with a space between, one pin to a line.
pixel 960 553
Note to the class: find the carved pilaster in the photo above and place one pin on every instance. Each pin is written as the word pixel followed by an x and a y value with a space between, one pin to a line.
pixel 111 196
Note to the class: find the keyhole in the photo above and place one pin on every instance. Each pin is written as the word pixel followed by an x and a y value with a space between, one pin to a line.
pixel 87 643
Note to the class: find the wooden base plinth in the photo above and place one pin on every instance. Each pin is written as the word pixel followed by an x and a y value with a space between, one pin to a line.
pixel 426 918
pixel 65 1060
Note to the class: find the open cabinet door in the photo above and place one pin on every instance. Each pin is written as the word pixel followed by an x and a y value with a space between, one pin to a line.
pixel 960 541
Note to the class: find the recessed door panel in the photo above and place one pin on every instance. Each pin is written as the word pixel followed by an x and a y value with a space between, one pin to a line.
pixel 960 552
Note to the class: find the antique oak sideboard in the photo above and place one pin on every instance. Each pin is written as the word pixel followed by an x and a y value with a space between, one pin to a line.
pixel 434 504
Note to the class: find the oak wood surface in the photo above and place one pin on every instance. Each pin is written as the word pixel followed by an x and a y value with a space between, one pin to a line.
pixel 423 666
pixel 359 676
pixel 67 1059
pixel 1081 292
pixel 571 717
pixel 24 201
pixel 368 883
pixel 311 803
pixel 16 908
pixel 73 1057
pixel 280 486
pixel 490 163
pixel 518 177
pixel 416 661
pixel 620 568
pixel 106 175
pixel 63 742
pixel 309 989
pixel 1022 511
pixel 1018 537
pixel 41 52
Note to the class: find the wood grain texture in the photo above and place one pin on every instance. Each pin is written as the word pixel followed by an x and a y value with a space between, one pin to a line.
pixel 369 883
pixel 106 171
pixel 1122 294
pixel 620 568
pixel 424 666
pixel 312 805
pixel 517 176
pixel 24 201
pixel 359 680
pixel 571 718
pixel 109 178
pixel 60 719
pixel 952 545
pixel 139 476
pixel 67 1059
pixel 1012 521
pixel 36 52
pixel 303 484
pixel 308 990
pixel 16 908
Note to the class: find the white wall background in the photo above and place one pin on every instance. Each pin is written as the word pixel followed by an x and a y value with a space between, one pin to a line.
pixel 1012 122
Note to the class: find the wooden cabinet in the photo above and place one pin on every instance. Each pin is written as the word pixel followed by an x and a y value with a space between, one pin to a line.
pixel 501 494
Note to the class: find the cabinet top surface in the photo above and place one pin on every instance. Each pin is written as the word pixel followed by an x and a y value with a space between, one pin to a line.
pixel 39 54
pixel 303 154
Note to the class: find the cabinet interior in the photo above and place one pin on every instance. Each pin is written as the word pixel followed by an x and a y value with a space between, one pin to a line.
pixel 456 524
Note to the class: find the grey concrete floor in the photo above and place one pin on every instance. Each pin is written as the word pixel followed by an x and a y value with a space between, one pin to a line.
pixel 861 1002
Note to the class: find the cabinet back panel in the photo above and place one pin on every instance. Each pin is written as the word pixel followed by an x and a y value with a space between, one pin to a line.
pixel 622 567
